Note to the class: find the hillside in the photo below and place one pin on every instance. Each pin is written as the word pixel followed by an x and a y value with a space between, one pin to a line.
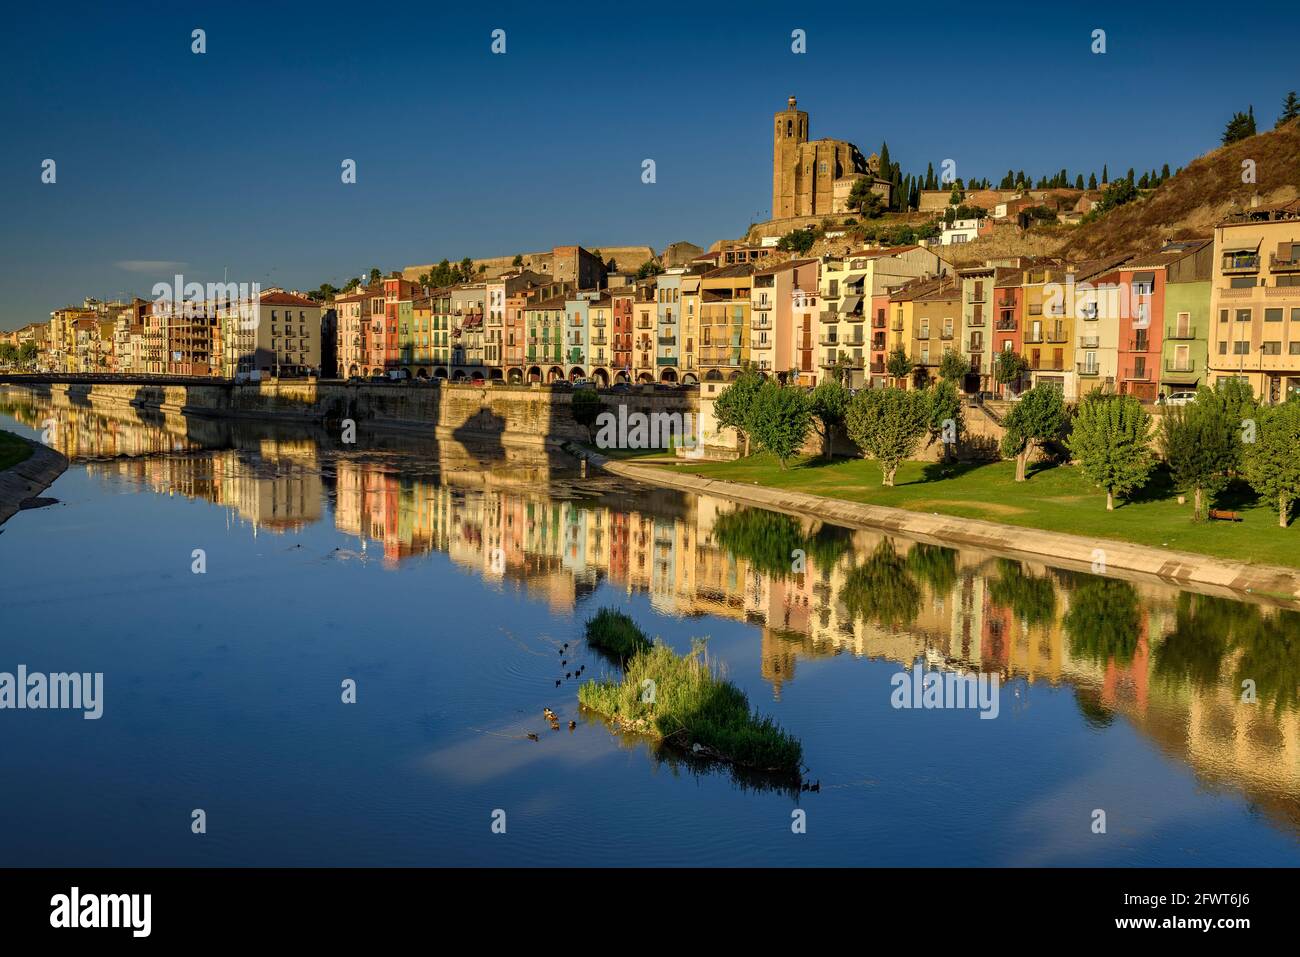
pixel 1191 203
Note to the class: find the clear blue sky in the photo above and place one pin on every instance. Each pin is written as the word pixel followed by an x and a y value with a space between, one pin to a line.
pixel 232 159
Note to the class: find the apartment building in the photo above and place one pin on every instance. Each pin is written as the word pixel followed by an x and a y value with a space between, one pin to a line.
pixel 278 334
pixel 544 325
pixel 668 314
pixel 644 321
pixel 772 347
pixel 936 326
pixel 1255 299
pixel 724 324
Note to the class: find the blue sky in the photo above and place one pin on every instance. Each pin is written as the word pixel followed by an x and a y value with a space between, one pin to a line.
pixel 231 160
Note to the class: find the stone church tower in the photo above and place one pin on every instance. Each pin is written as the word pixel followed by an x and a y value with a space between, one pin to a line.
pixel 814 178
pixel 791 133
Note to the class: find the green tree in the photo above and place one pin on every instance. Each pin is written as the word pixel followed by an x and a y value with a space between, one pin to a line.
pixel 1272 461
pixel 830 404
pixel 375 275
pixel 735 405
pixel 518 260
pixel 27 353
pixel 1234 401
pixel 780 419
pixel 888 424
pixel 797 241
pixel 947 421
pixel 1240 127
pixel 898 364
pixel 585 406
pixel 953 366
pixel 1037 418
pixel 865 200
pixel 1290 110
pixel 1198 443
pixel 1111 441
pixel 649 268
pixel 1092 181
pixel 8 354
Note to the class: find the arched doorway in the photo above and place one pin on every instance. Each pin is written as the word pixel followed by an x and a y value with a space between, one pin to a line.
pixel 602 378
pixel 668 375
pixel 515 375
pixel 534 374
pixel 554 374
pixel 645 378
pixel 622 378
pixel 713 375
pixel 576 373
pixel 496 375
pixel 690 379
pixel 440 373
pixel 458 375
pixel 352 370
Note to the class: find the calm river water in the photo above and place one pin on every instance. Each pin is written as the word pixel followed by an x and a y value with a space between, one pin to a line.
pixel 445 583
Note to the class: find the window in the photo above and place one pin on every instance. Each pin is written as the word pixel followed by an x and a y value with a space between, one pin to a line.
pixel 1243 315
pixel 1295 348
pixel 1272 315
pixel 1243 282
pixel 1241 348
pixel 1271 348
pixel 1223 315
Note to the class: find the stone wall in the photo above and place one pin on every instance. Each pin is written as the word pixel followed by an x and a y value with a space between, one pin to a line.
pixel 518 415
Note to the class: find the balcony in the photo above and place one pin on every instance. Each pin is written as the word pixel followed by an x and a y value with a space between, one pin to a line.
pixel 946 334
pixel 1006 302
pixel 1139 345
pixel 828 341
pixel 923 335
pixel 1046 365
pixel 1284 265
pixel 1089 342
pixel 877 368
pixel 1173 332
pixel 668 340
pixel 1006 325
pixel 1057 337
pixel 1088 370
pixel 1136 374
pixel 575 356
pixel 1180 367
pixel 665 361
pixel 1235 265
pixel 877 323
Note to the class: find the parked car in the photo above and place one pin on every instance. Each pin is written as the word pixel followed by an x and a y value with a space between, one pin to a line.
pixel 1177 398
pixel 620 387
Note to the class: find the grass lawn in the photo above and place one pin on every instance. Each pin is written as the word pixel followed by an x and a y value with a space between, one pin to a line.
pixel 12 450
pixel 1056 498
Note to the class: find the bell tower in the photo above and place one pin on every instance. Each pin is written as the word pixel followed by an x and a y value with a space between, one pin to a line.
pixel 790 133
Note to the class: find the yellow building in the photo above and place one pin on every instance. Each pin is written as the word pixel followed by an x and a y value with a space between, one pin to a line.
pixel 1255 301
pixel 724 324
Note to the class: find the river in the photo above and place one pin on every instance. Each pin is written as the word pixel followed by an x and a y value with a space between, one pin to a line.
pixel 231 580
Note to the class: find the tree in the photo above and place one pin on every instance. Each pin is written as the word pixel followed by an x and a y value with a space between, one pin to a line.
pixel 1272 463
pixel 899 365
pixel 1111 441
pixel 829 404
pixel 1078 181
pixel 375 274
pixel 1290 110
pixel 888 425
pixel 865 200
pixel 27 353
pixel 649 268
pixel 953 366
pixel 735 404
pixel 1037 418
pixel 1104 620
pixel 797 241
pixel 1092 181
pixel 8 354
pixel 1009 368
pixel 518 260
pixel 1240 127
pixel 1233 400
pixel 947 420
pixel 780 419
pixel 1198 445
pixel 585 406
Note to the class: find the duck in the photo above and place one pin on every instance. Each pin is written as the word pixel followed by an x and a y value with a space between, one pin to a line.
pixel 548 714
pixel 531 736
pixel 568 674
pixel 572 725
pixel 557 682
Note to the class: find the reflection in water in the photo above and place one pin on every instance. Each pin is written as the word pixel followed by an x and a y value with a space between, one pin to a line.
pixel 1171 663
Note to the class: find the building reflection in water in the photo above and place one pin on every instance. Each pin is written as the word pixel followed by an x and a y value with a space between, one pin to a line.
pixel 1172 663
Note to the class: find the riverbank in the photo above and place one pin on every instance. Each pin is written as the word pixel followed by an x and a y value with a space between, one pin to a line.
pixel 1179 567
pixel 29 477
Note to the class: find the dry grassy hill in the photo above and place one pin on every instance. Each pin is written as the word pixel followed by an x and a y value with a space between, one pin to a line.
pixel 1191 203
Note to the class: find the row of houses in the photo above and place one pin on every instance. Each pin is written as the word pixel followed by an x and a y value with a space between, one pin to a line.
pixel 1190 312
pixel 274 332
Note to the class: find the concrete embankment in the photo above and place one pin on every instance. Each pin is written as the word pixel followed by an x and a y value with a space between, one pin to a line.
pixel 1201 573
pixel 29 478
